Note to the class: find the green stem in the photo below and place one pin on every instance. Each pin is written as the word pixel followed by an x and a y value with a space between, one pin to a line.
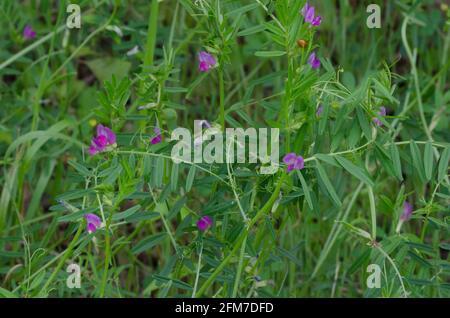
pixel 107 249
pixel 65 257
pixel 239 269
pixel 373 212
pixel 197 276
pixel 405 293
pixel 151 34
pixel 412 60
pixel 243 236
pixel 222 98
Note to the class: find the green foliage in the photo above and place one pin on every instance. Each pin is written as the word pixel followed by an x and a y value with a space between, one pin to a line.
pixel 309 233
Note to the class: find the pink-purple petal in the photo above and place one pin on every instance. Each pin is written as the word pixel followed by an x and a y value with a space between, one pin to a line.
pixel 407 211
pixel 204 223
pixel 29 33
pixel 316 21
pixel 290 158
pixel 156 140
pixel 91 228
pixel 93 219
pixel 299 163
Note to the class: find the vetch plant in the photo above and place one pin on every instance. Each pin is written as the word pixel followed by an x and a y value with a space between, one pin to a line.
pixel 245 150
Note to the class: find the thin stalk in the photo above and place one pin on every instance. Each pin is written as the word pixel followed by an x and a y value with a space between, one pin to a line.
pixel 66 255
pixel 412 61
pixel 107 248
pixel 242 236
pixel 405 293
pixel 373 212
pixel 221 99
pixel 197 276
pixel 239 269
pixel 151 34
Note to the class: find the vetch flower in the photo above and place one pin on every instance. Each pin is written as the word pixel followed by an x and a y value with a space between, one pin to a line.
pixel 319 111
pixel 308 13
pixel 204 223
pixel 158 138
pixel 93 222
pixel 293 162
pixel 29 33
pixel 314 61
pixel 407 211
pixel 206 61
pixel 105 137
pixel 405 216
pixel 316 21
pixel 381 113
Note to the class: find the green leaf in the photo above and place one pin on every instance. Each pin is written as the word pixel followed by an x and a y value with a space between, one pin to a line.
pixel 71 217
pixel 242 9
pixel 104 68
pixel 175 90
pixel 270 53
pixel 363 123
pixel 190 178
pixel 443 164
pixel 177 207
pixel 384 92
pixel 80 168
pixel 252 30
pixel 126 214
pixel 428 160
pixel 417 160
pixel 326 181
pixel 364 257
pixel 175 282
pixel 395 157
pixel 324 117
pixel 144 216
pixel 305 189
pixel 74 194
pixel 148 243
pixel 355 170
pixel 356 230
pixel 174 177
pixel 7 294
pixel 327 158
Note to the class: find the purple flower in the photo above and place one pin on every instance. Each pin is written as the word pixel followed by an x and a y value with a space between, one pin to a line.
pixel 204 223
pixel 314 61
pixel 317 21
pixel 105 137
pixel 407 211
pixel 293 162
pixel 93 222
pixel 29 33
pixel 319 111
pixel 206 61
pixel 158 138
pixel 308 13
pixel 381 113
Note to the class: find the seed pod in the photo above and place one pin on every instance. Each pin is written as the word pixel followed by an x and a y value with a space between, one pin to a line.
pixel 302 43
